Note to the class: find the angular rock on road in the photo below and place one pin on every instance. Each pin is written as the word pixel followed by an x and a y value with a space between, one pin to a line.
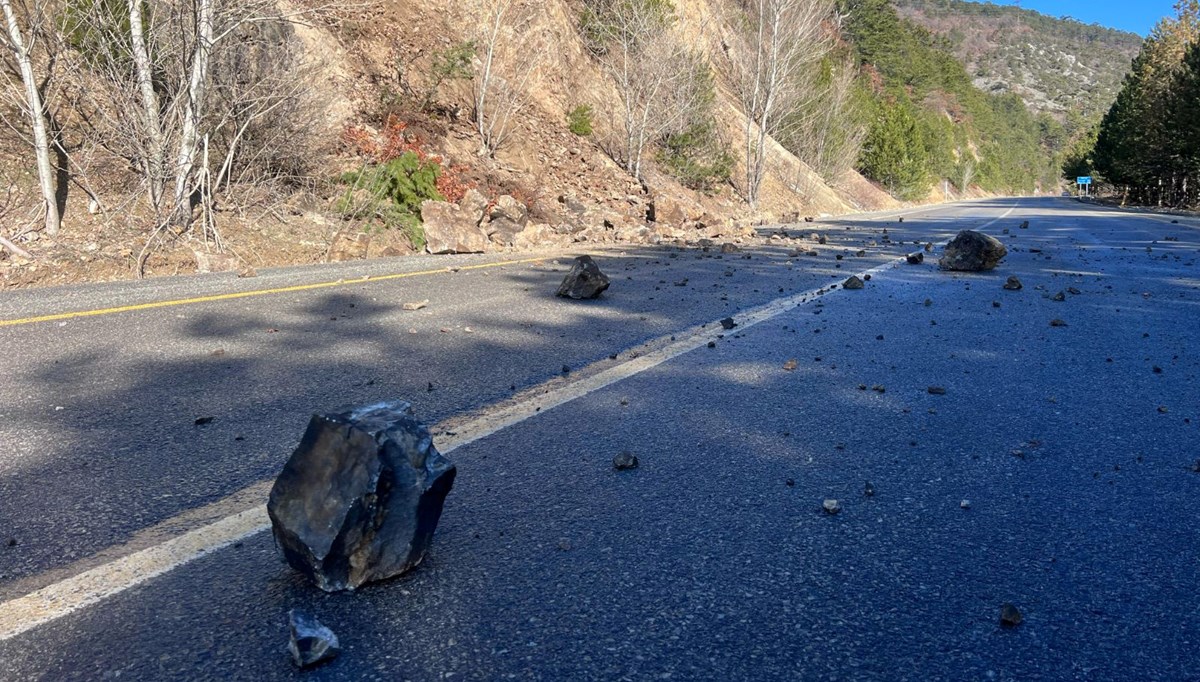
pixel 359 499
pixel 584 280
pixel 311 643
pixel 972 251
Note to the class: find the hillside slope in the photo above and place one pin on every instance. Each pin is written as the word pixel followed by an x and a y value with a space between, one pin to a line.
pixel 1055 65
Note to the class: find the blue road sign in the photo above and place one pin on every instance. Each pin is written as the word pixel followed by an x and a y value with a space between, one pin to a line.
pixel 1084 180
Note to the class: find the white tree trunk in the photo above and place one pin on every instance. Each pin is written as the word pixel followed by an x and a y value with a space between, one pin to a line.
pixel 189 138
pixel 151 118
pixel 37 118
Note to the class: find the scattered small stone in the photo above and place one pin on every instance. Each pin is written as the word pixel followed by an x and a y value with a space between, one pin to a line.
pixel 204 421
pixel 878 388
pixel 1195 470
pixel 853 283
pixel 839 256
pixel 729 248
pixel 566 369
pixel 712 344
pixel 1073 291
pixel 1156 369
pixel 831 507
pixel 1174 222
pixel 901 219
pixel 625 460
pixel 915 258
pixel 862 387
pixel 866 278
pixel 12 542
pixel 1013 284
pixel 1010 616
pixel 879 337
pixel 728 323
pixel 416 305
pixel 791 483
pixel 995 304
pixel 218 352
pixel 928 302
pixel 564 544
pixel 928 247
pixel 311 643
pixel 790 365
pixel 869 490
pixel 1025 225
pixel 1057 323
pixel 936 390
pixel 1162 409
pixel 1059 297
pixel 965 504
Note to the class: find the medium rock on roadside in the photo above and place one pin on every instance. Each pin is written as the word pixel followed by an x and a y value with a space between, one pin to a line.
pixel 853 282
pixel 585 280
pixel 972 251
pixel 359 499
pixel 311 643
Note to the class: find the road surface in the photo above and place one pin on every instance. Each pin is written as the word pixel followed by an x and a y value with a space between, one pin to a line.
pixel 1054 473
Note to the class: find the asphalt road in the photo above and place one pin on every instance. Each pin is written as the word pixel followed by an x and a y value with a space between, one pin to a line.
pixel 1073 445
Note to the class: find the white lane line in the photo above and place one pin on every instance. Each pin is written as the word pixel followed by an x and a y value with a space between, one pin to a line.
pixel 96 584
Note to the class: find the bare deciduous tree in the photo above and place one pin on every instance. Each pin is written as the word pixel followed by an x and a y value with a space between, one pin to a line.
pixel 823 131
pixel 511 50
pixel 20 43
pixel 659 80
pixel 194 95
pixel 771 46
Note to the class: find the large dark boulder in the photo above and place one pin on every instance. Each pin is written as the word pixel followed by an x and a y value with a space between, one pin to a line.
pixel 584 280
pixel 360 497
pixel 972 251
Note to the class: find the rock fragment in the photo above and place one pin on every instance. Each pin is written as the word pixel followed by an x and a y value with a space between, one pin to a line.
pixel 1013 284
pixel 936 390
pixel 915 258
pixel 1010 616
pixel 728 323
pixel 585 280
pixel 1024 224
pixel 359 499
pixel 869 490
pixel 415 305
pixel 972 251
pixel 1057 323
pixel 1059 297
pixel 311 643
pixel 790 365
pixel 853 282
pixel 831 507
pixel 625 460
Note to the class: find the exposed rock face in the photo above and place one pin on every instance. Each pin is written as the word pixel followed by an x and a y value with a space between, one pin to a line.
pixel 666 210
pixel 214 262
pixel 454 228
pixel 584 280
pixel 360 497
pixel 506 220
pixel 349 246
pixel 972 251
pixel 311 643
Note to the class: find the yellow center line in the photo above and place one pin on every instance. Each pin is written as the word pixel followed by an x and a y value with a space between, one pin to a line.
pixel 256 292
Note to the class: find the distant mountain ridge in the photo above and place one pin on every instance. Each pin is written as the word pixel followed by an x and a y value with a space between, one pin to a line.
pixel 1059 66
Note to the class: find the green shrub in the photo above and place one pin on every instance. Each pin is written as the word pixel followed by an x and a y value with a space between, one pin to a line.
pixel 579 120
pixel 697 157
pixel 392 193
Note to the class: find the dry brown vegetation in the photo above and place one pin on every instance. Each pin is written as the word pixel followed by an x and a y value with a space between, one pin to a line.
pixel 237 145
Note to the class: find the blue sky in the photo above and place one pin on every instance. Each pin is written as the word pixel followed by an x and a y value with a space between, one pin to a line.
pixel 1138 16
